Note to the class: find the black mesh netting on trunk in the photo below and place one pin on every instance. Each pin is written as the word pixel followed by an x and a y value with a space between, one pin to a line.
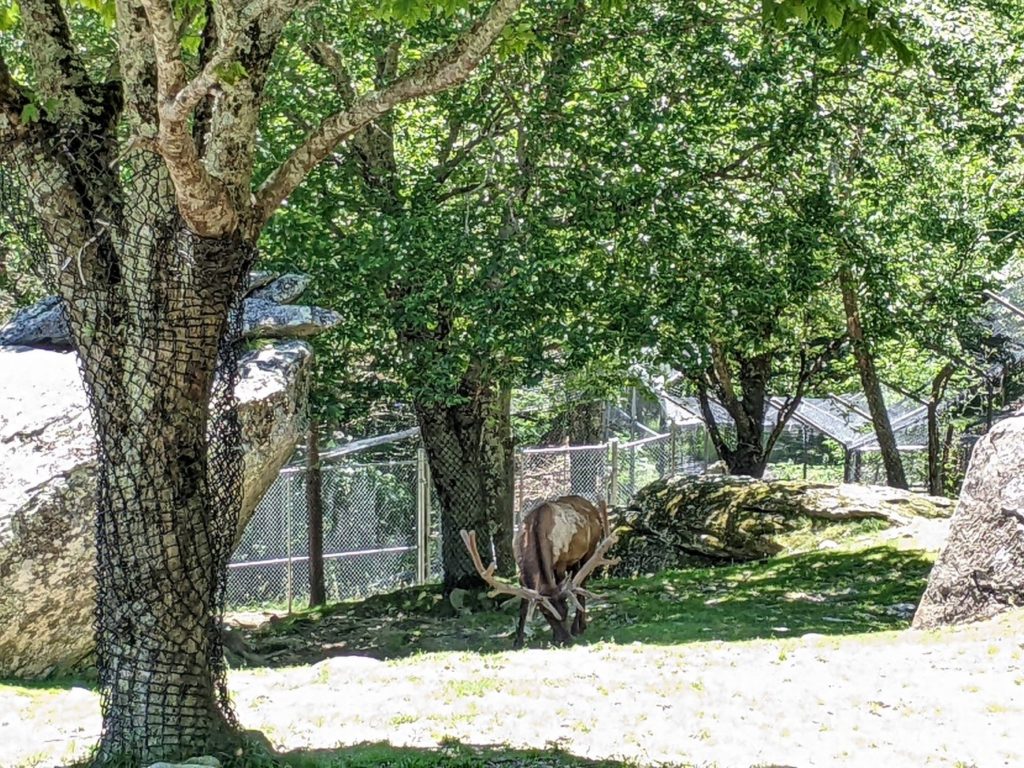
pixel 154 314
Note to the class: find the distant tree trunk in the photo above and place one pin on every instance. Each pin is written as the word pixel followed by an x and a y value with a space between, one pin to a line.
pixel 315 511
pixel 936 452
pixel 469 448
pixel 746 407
pixel 869 382
pixel 582 423
pixel 498 470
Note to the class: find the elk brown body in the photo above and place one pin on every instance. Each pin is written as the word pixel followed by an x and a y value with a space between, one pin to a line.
pixel 556 538
pixel 559 545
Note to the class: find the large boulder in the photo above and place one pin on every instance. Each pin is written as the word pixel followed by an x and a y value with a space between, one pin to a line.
pixel 980 571
pixel 682 521
pixel 47 490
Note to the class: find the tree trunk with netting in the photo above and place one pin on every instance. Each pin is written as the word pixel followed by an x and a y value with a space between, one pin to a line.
pixel 498 470
pixel 887 445
pixel 137 193
pixel 148 305
pixel 470 454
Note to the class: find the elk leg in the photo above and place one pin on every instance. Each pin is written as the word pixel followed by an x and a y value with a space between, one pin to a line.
pixel 559 627
pixel 521 629
pixel 580 622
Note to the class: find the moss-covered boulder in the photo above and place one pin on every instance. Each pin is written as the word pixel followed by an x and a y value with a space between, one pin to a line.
pixel 682 521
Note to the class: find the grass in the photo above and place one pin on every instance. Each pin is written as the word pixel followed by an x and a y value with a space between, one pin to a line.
pixel 835 592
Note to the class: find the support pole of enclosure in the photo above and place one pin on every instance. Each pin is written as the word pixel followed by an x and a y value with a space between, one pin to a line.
pixel 673 436
pixel 632 439
pixel 613 485
pixel 522 487
pixel 803 449
pixel 288 575
pixel 422 516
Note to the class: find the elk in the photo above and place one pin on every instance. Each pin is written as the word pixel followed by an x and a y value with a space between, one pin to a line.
pixel 560 543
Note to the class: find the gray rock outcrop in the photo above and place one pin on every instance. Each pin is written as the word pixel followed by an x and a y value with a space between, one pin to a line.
pixel 980 571
pixel 47 490
pixel 267 312
pixel 682 521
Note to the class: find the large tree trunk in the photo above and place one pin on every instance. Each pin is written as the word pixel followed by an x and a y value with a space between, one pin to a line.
pixel 894 473
pixel 498 475
pixel 169 493
pixel 746 408
pixel 469 448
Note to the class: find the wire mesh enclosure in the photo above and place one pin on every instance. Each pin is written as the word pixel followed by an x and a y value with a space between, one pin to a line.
pixel 379 534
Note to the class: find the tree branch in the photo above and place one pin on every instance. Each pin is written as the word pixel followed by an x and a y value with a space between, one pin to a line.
pixel 58 69
pixel 443 70
pixel 710 423
pixel 203 200
pixel 808 370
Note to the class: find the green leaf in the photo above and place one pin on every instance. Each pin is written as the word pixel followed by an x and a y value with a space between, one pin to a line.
pixel 30 113
pixel 9 16
pixel 231 73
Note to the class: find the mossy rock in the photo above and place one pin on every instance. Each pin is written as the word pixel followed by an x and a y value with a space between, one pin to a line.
pixel 681 521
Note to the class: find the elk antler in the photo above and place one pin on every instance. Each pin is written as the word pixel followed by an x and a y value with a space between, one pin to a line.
pixel 499 587
pixel 572 588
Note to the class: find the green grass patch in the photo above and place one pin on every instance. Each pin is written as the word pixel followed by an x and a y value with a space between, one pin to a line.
pixel 835 592
pixel 450 755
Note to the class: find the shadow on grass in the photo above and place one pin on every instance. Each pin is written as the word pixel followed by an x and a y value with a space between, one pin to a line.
pixel 829 593
pixel 50 684
pixel 452 754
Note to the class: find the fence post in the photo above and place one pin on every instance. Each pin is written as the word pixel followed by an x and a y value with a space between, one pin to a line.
pixel 673 434
pixel 288 540
pixel 521 456
pixel 422 516
pixel 613 485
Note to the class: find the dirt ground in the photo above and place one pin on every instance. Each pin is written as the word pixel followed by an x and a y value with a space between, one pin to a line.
pixel 953 698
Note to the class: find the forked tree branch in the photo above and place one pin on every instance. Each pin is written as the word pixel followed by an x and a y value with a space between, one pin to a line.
pixel 443 70
pixel 203 200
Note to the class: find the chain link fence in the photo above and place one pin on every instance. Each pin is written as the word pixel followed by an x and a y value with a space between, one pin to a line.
pixel 381 521
pixel 379 534
pixel 381 529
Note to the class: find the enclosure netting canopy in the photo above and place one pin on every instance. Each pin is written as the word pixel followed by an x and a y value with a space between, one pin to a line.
pixel 843 418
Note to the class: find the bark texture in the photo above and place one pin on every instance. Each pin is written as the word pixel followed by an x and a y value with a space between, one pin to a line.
pixel 469 447
pixel 980 571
